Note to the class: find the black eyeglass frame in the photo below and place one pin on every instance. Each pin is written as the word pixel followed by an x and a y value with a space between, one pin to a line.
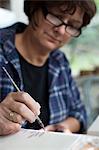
pixel 46 12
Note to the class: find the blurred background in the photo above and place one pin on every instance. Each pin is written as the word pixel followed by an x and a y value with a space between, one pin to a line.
pixel 82 52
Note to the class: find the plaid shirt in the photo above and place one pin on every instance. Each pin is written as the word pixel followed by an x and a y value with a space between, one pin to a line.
pixel 64 98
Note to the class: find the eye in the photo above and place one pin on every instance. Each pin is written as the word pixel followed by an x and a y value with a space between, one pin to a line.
pixel 72 27
pixel 74 24
pixel 57 19
pixel 53 19
pixel 72 30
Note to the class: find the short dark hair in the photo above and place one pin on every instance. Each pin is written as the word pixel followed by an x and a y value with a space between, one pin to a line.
pixel 5 4
pixel 89 7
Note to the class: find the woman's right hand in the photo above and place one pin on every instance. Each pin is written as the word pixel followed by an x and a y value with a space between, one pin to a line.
pixel 16 108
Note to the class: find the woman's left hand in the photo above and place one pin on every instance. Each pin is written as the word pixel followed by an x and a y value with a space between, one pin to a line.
pixel 57 128
pixel 69 125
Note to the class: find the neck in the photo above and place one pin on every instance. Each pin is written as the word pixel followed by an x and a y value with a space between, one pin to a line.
pixel 31 51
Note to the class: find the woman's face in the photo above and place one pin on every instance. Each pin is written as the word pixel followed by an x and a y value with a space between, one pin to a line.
pixel 51 37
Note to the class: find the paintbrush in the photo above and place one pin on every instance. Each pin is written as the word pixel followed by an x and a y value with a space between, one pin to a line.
pixel 17 88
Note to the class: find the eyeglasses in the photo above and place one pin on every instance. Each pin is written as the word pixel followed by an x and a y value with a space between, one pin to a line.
pixel 57 22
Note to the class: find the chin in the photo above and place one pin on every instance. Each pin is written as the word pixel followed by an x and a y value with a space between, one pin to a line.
pixel 51 46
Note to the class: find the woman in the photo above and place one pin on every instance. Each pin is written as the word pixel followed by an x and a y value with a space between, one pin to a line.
pixel 30 53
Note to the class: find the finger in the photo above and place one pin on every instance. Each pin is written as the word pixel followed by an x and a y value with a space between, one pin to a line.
pixel 8 127
pixel 20 107
pixel 67 131
pixel 15 117
pixel 50 128
pixel 25 98
pixel 23 111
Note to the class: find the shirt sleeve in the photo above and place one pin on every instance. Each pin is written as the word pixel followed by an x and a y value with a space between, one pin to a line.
pixel 77 108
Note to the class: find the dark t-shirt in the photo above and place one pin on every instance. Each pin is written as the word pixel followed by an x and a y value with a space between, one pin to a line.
pixel 35 81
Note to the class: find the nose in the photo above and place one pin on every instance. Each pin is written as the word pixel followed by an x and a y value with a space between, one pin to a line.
pixel 60 29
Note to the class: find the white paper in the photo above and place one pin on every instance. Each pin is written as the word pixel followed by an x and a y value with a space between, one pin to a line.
pixel 38 140
pixel 94 128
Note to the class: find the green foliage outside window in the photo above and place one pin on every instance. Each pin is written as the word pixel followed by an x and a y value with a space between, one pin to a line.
pixel 83 52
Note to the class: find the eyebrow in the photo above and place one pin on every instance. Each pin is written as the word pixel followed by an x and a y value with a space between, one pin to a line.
pixel 73 20
pixel 76 21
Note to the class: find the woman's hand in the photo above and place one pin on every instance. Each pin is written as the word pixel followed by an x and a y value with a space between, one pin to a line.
pixel 69 125
pixel 15 109
pixel 57 128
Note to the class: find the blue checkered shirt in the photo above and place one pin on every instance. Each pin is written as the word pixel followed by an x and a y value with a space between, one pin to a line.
pixel 64 97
